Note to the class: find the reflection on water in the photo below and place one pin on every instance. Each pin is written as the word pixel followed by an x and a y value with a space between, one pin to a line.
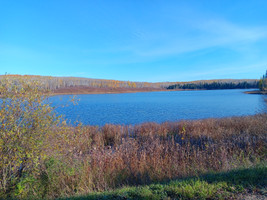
pixel 135 108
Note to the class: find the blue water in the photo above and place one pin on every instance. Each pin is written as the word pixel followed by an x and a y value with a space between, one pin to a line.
pixel 136 108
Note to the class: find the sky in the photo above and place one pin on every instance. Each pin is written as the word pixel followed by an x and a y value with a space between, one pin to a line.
pixel 136 40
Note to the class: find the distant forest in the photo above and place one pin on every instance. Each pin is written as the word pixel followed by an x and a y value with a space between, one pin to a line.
pixel 216 85
pixel 55 83
pixel 263 82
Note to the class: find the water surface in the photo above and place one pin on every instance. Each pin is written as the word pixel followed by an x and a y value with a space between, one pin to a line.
pixel 136 108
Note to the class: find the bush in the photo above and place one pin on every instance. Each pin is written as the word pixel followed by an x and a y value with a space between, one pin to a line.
pixel 26 119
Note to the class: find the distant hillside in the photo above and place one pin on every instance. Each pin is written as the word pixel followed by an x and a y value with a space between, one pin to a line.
pixel 53 83
pixel 75 85
pixel 217 84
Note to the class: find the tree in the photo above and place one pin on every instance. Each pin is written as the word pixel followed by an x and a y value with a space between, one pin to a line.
pixel 26 119
pixel 263 82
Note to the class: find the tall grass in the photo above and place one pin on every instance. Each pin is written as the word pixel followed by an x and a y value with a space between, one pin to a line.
pixel 95 159
pixel 235 184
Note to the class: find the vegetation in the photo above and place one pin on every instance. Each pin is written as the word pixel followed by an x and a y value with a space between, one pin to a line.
pixel 55 83
pixel 216 85
pixel 226 185
pixel 263 82
pixel 43 158
pixel 70 84
pixel 25 121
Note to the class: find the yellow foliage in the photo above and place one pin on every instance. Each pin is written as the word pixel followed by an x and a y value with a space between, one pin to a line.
pixel 25 121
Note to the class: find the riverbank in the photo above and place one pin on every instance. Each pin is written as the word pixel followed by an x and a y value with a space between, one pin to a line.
pixel 92 90
pixel 83 160
pixel 256 92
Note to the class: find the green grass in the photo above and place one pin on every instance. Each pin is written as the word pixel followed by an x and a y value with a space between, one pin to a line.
pixel 210 186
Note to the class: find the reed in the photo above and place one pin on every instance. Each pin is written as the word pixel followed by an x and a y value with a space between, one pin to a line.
pixel 93 159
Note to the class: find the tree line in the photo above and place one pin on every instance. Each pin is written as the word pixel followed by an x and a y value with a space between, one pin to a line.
pixel 263 82
pixel 216 85
pixel 54 83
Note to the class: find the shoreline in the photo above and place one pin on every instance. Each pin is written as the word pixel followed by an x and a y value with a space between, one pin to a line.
pixel 90 90
pixel 256 92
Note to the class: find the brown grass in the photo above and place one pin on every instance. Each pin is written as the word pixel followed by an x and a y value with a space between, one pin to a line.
pixel 256 92
pixel 97 159
pixel 107 90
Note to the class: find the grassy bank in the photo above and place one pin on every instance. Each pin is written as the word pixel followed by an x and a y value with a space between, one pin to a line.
pixel 235 184
pixel 85 159
pixel 256 92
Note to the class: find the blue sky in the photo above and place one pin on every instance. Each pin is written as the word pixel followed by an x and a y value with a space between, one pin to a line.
pixel 137 40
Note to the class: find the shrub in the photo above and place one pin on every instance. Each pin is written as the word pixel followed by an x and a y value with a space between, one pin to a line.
pixel 25 121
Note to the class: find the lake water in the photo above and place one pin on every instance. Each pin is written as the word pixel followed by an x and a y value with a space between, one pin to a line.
pixel 136 108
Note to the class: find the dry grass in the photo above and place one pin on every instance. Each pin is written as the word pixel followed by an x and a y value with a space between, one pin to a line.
pixel 99 159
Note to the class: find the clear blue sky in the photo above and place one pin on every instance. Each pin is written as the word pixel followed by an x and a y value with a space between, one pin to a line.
pixel 137 40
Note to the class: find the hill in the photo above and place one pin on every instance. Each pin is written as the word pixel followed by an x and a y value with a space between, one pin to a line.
pixel 78 85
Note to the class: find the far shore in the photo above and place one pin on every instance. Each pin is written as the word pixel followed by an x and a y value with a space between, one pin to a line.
pixel 90 90
pixel 256 92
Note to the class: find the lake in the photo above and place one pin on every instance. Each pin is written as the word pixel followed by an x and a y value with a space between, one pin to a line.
pixel 136 108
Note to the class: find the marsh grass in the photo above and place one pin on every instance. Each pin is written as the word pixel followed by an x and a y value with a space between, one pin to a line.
pixel 97 159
